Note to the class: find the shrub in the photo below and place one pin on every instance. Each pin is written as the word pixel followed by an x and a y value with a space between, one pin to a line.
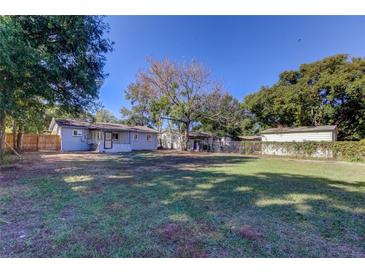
pixel 349 150
pixel 299 149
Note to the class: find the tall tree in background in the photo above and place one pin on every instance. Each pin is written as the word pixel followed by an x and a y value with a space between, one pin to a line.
pixel 184 95
pixel 167 90
pixel 105 116
pixel 54 60
pixel 330 91
pixel 221 114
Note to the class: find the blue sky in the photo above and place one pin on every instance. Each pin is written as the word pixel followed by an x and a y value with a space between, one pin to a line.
pixel 243 52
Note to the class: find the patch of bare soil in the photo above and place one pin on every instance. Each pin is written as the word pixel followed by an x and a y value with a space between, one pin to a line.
pixel 249 233
pixel 184 240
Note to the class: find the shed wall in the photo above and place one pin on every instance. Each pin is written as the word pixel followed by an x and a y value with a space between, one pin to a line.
pixel 327 136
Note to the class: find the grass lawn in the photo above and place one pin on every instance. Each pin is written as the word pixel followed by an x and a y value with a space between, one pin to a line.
pixel 180 205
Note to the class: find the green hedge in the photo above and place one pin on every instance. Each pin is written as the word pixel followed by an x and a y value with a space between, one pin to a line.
pixel 300 149
pixel 341 150
pixel 349 150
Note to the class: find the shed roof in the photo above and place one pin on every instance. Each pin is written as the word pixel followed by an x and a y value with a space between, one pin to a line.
pixel 299 129
pixel 250 137
pixel 102 126
pixel 200 134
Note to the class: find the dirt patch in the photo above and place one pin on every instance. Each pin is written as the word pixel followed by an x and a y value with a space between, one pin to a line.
pixel 190 249
pixel 249 233
pixel 181 239
pixel 170 232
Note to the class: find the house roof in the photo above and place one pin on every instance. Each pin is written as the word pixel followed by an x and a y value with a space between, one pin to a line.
pixel 200 134
pixel 100 126
pixel 192 134
pixel 299 129
pixel 250 137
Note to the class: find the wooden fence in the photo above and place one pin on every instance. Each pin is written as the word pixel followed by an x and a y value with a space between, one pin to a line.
pixel 36 142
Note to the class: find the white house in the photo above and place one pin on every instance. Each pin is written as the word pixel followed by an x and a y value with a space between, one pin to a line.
pixel 298 134
pixel 102 137
pixel 198 141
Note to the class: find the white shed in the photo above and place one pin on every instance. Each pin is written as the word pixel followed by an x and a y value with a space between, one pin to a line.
pixel 300 134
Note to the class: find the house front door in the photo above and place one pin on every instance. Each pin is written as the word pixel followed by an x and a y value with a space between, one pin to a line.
pixel 108 142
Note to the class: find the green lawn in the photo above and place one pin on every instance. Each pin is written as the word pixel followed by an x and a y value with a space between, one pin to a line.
pixel 180 205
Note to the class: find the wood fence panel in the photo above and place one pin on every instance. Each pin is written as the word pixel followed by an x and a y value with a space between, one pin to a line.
pixel 29 142
pixel 37 142
pixel 49 142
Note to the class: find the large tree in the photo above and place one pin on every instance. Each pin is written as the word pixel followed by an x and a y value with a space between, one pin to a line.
pixel 330 91
pixel 105 116
pixel 171 91
pixel 221 114
pixel 185 96
pixel 56 61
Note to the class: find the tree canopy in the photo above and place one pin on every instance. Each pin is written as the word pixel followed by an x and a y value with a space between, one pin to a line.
pixel 105 116
pixel 50 61
pixel 183 94
pixel 330 91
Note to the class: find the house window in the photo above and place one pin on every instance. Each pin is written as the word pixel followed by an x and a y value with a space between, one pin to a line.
pixel 149 138
pixel 115 136
pixel 77 132
pixel 135 137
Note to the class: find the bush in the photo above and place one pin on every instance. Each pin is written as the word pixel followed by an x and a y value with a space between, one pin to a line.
pixel 300 149
pixel 349 150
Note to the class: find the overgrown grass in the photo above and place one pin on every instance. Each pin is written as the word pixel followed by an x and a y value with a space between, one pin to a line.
pixel 166 205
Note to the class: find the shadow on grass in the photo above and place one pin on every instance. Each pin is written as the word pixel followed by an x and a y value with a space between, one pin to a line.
pixel 153 205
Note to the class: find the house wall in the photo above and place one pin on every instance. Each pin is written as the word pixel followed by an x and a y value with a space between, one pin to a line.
pixel 120 145
pixel 56 130
pixel 74 143
pixel 171 140
pixel 327 136
pixel 141 142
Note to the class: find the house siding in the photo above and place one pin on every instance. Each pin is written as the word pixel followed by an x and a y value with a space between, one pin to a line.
pixel 320 136
pixel 74 143
pixel 141 143
pixel 327 136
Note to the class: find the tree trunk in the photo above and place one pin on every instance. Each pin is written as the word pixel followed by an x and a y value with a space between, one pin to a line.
pixel 187 125
pixel 2 134
pixel 14 135
pixel 19 139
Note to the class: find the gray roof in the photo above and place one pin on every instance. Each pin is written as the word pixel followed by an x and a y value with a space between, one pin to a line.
pixel 200 134
pixel 299 129
pixel 250 137
pixel 103 126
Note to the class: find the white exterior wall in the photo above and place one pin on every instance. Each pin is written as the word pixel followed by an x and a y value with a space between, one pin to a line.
pixel 141 143
pixel 321 136
pixel 171 140
pixel 74 143
pixel 120 145
pixel 327 136
pixel 88 141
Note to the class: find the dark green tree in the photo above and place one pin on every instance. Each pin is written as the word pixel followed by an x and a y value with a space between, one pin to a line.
pixel 330 91
pixel 105 116
pixel 220 114
pixel 56 61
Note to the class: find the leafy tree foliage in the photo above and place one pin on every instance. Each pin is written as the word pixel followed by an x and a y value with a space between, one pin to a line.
pixel 105 116
pixel 50 61
pixel 330 91
pixel 221 114
pixel 183 95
